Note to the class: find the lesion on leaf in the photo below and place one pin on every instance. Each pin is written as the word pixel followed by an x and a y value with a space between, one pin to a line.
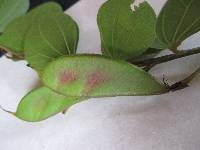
pixel 67 77
pixel 95 79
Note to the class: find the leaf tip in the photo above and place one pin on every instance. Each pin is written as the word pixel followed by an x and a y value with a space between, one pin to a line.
pixel 7 111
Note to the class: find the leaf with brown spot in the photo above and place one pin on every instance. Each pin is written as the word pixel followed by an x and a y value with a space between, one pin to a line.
pixel 98 76
pixel 67 77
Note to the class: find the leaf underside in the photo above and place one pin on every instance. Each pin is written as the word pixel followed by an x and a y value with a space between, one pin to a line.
pixel 178 20
pixel 41 104
pixel 97 76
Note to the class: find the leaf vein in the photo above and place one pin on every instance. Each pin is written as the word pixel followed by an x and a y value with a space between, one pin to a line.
pixel 187 29
pixel 63 35
pixel 181 20
pixel 47 42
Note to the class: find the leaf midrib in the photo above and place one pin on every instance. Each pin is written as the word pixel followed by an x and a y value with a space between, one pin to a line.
pixel 47 42
pixel 181 21
pixel 63 35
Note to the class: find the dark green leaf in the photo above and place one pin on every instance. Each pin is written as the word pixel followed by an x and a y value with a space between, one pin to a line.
pixel 125 32
pixel 97 76
pixel 15 33
pixel 150 53
pixel 41 104
pixel 157 44
pixel 178 20
pixel 52 36
pixel 11 9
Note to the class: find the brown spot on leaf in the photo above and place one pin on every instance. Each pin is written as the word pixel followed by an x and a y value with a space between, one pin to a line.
pixel 95 79
pixel 67 77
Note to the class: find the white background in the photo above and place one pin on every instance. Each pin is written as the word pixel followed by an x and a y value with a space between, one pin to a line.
pixel 167 122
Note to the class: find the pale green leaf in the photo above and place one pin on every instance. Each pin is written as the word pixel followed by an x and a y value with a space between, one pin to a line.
pixel 52 36
pixel 15 33
pixel 178 20
pixel 125 32
pixel 41 104
pixel 11 9
pixel 97 76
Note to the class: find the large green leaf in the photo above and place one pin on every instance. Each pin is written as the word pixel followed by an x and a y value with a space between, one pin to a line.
pixel 178 20
pixel 15 33
pixel 51 36
pixel 125 32
pixel 97 76
pixel 41 104
pixel 11 9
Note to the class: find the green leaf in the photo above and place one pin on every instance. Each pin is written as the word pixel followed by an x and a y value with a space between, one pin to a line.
pixel 41 104
pixel 157 44
pixel 178 20
pixel 52 36
pixel 15 33
pixel 46 8
pixel 126 33
pixel 150 53
pixel 11 9
pixel 97 76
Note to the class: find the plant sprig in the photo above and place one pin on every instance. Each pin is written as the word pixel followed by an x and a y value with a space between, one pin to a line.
pixel 151 62
pixel 131 38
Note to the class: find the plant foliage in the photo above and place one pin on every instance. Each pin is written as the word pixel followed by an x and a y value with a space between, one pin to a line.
pixel 11 9
pixel 47 38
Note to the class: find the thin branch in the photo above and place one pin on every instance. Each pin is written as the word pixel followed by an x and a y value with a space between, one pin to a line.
pixel 149 63
pixel 11 55
pixel 2 52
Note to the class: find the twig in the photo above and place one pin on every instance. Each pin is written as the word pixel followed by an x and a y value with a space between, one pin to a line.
pixel 149 63
pixel 11 55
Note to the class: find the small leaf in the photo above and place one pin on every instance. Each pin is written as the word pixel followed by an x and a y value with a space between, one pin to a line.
pixel 11 9
pixel 15 33
pixel 178 20
pixel 125 32
pixel 41 104
pixel 97 76
pixel 52 36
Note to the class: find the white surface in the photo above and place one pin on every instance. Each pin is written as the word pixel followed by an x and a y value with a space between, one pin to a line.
pixel 167 122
